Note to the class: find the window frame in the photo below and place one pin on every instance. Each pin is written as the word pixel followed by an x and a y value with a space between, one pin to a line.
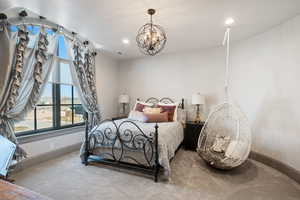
pixel 56 119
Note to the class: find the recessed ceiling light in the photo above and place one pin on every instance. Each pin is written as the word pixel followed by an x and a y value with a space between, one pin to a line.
pixel 125 41
pixel 229 21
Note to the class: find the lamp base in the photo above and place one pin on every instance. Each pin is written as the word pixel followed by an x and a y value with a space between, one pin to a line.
pixel 198 118
pixel 123 110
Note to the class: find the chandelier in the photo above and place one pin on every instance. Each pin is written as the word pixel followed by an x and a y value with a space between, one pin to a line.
pixel 151 38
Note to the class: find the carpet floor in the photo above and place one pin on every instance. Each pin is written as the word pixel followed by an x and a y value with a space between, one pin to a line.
pixel 65 178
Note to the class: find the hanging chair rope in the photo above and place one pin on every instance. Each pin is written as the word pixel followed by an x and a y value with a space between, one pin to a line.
pixel 225 139
pixel 226 42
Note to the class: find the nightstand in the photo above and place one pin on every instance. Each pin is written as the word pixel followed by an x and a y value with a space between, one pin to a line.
pixel 191 134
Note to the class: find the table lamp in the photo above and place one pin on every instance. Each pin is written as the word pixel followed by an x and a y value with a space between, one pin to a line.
pixel 198 99
pixel 123 99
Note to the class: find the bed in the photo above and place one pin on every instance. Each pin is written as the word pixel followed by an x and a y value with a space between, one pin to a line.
pixel 135 145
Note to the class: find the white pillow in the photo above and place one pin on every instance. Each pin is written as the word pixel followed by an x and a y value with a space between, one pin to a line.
pixel 137 116
pixel 236 149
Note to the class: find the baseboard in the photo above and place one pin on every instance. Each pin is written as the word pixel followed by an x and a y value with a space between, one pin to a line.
pixel 278 165
pixel 46 156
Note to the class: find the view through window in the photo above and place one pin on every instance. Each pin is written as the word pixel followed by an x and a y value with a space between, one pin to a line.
pixel 59 105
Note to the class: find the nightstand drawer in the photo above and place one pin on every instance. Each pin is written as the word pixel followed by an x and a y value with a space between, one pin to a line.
pixel 191 135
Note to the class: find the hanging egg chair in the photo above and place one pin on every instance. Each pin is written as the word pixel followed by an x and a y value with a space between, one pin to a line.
pixel 225 139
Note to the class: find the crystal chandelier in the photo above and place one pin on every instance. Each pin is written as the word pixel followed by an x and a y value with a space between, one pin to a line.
pixel 151 38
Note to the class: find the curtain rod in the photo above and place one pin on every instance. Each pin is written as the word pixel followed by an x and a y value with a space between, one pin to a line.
pixel 43 22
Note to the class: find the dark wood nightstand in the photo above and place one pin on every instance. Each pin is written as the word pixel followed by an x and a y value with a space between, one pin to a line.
pixel 191 134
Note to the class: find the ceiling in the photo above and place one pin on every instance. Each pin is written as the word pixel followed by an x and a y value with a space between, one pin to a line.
pixel 189 24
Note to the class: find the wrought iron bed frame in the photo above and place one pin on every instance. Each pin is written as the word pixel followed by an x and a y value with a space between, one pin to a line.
pixel 127 140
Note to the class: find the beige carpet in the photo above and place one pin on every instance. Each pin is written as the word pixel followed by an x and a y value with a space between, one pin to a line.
pixel 65 178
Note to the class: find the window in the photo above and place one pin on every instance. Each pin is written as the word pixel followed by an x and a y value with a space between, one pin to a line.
pixel 43 112
pixel 59 106
pixel 71 111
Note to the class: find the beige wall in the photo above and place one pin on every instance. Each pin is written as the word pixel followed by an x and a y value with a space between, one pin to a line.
pixel 264 80
pixel 176 76
pixel 107 83
pixel 41 147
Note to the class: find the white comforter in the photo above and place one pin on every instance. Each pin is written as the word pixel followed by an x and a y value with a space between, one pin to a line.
pixel 170 136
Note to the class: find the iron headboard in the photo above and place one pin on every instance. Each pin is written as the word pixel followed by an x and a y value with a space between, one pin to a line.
pixel 165 100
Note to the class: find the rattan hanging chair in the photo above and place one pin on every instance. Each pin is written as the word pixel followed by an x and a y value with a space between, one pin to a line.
pixel 225 139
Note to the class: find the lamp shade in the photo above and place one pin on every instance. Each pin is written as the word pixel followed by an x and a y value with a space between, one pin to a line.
pixel 123 98
pixel 198 99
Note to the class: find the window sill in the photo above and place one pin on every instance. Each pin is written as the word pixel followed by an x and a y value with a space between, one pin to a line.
pixel 49 134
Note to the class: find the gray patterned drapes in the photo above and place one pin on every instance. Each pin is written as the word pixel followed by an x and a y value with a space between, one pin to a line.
pixel 25 71
pixel 83 76
pixel 11 88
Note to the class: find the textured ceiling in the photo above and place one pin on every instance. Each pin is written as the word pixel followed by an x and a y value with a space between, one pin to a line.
pixel 189 24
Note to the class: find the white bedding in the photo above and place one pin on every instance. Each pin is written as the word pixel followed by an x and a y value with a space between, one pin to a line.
pixel 170 136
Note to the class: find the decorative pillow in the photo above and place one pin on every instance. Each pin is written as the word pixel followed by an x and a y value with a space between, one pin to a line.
pixel 139 105
pixel 158 117
pixel 149 110
pixel 171 109
pixel 138 116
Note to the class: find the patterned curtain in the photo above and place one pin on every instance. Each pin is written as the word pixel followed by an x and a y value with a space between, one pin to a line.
pixel 83 76
pixel 25 71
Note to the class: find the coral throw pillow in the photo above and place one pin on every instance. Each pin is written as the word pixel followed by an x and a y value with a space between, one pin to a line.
pixel 158 117
pixel 140 105
pixel 170 110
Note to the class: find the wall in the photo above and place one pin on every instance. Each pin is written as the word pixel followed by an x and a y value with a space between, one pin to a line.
pixel 107 84
pixel 176 76
pixel 264 80
pixel 42 147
